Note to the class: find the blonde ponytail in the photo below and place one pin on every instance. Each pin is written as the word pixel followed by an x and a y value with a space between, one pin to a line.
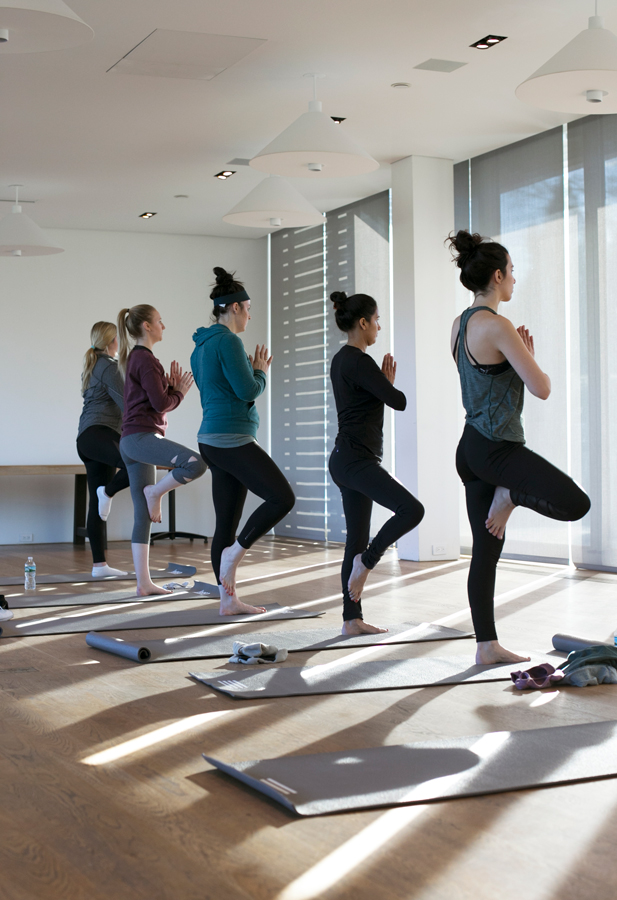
pixel 130 323
pixel 101 336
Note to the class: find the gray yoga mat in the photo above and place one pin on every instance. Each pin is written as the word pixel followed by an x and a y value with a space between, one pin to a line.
pixel 438 769
pixel 566 643
pixel 294 641
pixel 75 623
pixel 40 600
pixel 78 577
pixel 346 677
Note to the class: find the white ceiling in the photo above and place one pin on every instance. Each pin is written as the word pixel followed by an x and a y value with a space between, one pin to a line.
pixel 95 150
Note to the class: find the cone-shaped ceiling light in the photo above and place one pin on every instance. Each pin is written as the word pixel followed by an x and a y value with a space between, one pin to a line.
pixel 581 78
pixel 29 26
pixel 274 203
pixel 20 236
pixel 314 146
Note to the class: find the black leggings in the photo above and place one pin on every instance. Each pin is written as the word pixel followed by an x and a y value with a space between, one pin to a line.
pixel 98 448
pixel 363 481
pixel 533 482
pixel 235 471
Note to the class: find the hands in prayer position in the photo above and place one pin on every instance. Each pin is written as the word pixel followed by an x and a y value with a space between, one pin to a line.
pixel 388 367
pixel 261 361
pixel 179 380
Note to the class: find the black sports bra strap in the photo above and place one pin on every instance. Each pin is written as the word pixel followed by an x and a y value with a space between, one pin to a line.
pixel 471 312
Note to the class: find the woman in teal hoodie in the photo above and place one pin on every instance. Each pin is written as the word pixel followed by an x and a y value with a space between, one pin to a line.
pixel 229 382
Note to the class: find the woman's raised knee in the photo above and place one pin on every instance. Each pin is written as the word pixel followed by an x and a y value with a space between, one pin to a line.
pixel 195 467
pixel 411 512
pixel 580 506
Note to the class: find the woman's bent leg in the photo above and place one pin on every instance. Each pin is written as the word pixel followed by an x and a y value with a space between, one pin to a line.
pixel 258 473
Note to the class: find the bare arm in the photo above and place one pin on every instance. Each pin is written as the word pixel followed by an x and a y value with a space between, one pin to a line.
pixel 517 347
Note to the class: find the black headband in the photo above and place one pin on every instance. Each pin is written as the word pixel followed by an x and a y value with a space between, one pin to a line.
pixel 238 297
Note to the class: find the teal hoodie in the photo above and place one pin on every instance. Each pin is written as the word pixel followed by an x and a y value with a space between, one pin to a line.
pixel 228 384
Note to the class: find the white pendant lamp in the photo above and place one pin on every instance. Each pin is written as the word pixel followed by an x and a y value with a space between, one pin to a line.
pixel 274 203
pixel 314 146
pixel 20 236
pixel 580 78
pixel 30 26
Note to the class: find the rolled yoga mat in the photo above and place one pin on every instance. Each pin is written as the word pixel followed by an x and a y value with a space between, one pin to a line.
pixel 75 623
pixel 41 600
pixel 438 769
pixel 294 641
pixel 78 577
pixel 346 676
pixel 566 643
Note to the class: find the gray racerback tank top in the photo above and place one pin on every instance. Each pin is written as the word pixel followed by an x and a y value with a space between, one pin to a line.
pixel 492 395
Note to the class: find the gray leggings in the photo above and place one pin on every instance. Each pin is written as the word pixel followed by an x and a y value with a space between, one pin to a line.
pixel 141 454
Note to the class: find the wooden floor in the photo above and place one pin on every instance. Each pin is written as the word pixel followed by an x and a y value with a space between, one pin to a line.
pixel 158 822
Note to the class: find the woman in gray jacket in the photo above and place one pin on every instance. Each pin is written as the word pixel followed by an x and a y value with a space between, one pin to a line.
pixel 98 437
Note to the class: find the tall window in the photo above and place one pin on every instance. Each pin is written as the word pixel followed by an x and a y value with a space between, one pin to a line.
pixel 351 253
pixel 552 201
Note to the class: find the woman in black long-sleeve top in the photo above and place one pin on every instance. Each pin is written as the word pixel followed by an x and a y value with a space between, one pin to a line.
pixel 361 389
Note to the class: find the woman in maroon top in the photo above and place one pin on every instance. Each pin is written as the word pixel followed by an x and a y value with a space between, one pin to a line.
pixel 149 394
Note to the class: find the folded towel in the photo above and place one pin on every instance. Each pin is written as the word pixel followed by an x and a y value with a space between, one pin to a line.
pixel 254 654
pixel 589 676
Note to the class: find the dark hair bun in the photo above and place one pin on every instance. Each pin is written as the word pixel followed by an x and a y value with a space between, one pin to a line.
pixel 466 243
pixel 349 310
pixel 339 298
pixel 477 258
pixel 223 277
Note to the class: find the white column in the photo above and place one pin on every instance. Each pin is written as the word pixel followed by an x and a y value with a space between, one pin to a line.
pixel 424 309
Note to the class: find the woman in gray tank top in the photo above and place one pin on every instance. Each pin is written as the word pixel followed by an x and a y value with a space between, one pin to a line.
pixel 496 361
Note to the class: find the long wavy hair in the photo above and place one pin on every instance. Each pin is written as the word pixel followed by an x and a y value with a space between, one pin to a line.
pixel 101 336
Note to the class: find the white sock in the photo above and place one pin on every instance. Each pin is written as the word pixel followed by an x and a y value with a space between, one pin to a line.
pixel 105 571
pixel 104 503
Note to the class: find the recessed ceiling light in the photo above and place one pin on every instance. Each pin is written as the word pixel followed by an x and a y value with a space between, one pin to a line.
pixel 338 119
pixel 147 215
pixel 224 175
pixel 400 84
pixel 489 41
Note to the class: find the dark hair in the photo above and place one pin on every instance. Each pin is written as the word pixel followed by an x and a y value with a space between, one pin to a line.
pixel 225 284
pixel 477 258
pixel 349 310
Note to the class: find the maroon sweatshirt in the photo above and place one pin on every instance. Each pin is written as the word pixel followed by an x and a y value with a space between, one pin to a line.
pixel 147 394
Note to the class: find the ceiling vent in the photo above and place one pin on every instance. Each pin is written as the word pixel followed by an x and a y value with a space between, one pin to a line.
pixel 440 65
pixel 185 54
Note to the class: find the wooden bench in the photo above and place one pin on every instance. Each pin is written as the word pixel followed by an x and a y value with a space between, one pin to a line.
pixel 80 502
pixel 80 498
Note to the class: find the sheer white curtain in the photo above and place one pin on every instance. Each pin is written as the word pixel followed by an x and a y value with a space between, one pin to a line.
pixel 517 198
pixel 592 220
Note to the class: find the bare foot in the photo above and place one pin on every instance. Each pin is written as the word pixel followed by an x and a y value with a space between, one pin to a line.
pixel 147 590
pixel 358 577
pixel 153 501
pixel 230 557
pixel 232 606
pixel 491 652
pixel 359 626
pixel 499 513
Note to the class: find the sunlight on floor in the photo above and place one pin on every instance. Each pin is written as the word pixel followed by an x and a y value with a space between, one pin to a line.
pixel 120 751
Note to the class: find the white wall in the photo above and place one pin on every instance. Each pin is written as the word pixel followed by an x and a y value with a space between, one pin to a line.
pixel 424 309
pixel 48 307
